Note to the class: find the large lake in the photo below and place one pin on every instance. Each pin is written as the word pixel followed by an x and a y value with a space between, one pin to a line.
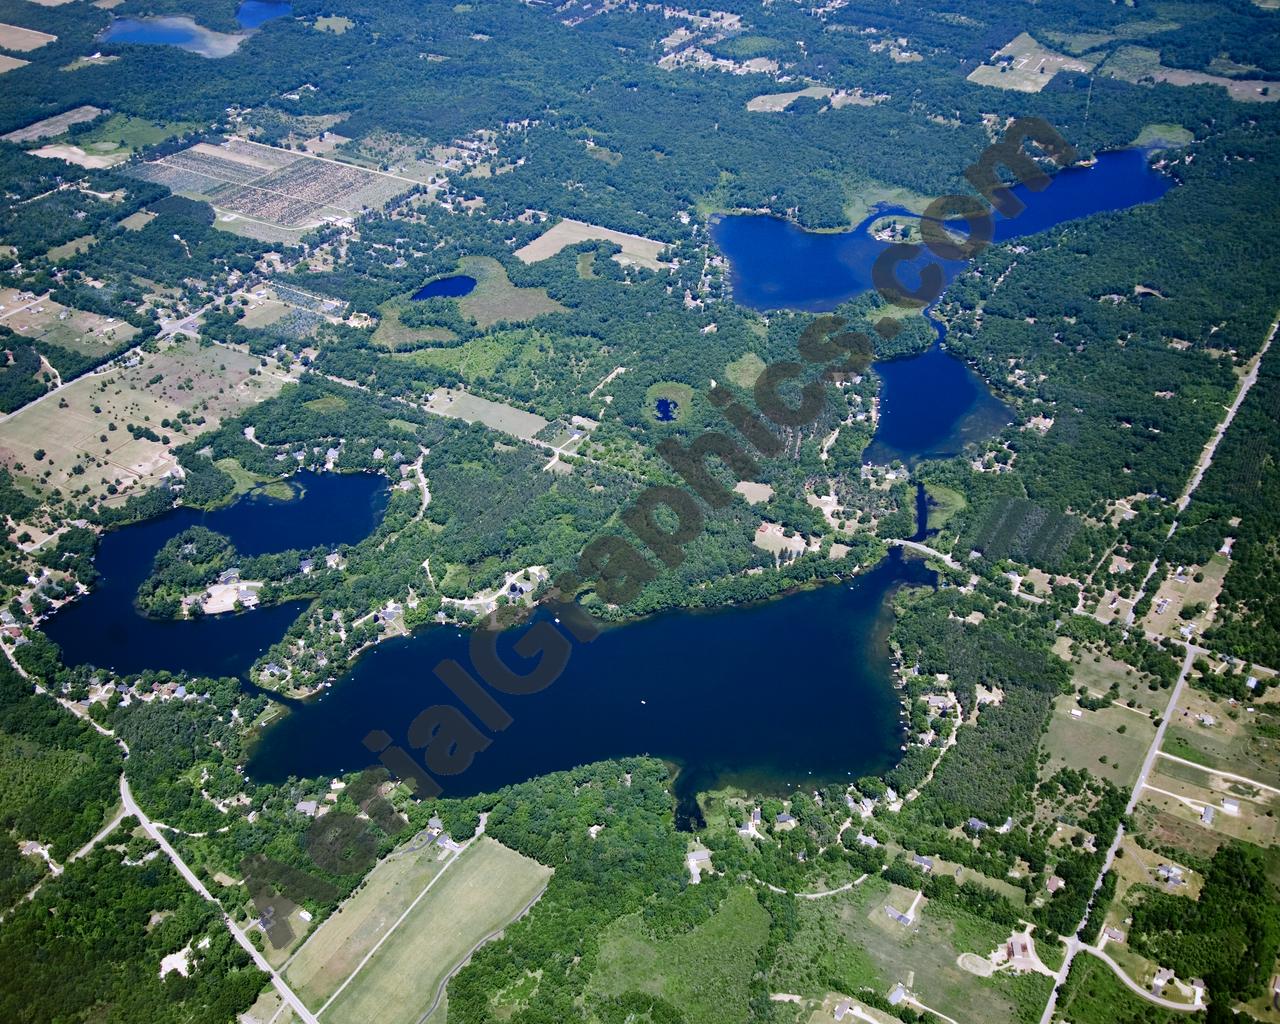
pixel 183 32
pixel 931 405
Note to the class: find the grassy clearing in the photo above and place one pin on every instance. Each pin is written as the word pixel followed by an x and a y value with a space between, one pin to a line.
pixel 864 199
pixel 71 248
pixel 79 331
pixel 1197 596
pixel 775 102
pixel 474 409
pixel 50 127
pixel 247 481
pixel 123 134
pixel 635 248
pixel 1098 672
pixel 478 894
pixel 495 299
pixel 1084 742
pixel 744 370
pixel 849 939
pixel 395 335
pixel 943 504
pixel 705 972
pixel 678 399
pixel 1165 135
pixel 1023 65
pixel 1240 741
pixel 341 942
pixel 1142 65
pixel 333 23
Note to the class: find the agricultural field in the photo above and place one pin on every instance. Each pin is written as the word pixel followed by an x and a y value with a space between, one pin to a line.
pixel 8 63
pixel 51 127
pixel 636 249
pixel 461 405
pixel 23 40
pixel 1140 63
pixel 337 947
pixel 705 971
pixel 849 938
pixel 273 186
pixel 86 334
pixel 483 891
pixel 86 425
pixel 775 102
pixel 496 300
pixel 1024 65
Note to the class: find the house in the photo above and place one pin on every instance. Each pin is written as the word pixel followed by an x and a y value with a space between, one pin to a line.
pixel 1008 824
pixel 1163 976
pixel 307 807
pixel 975 825
pixel 1171 874
pixel 229 576
pixel 1206 816
pixel 1077 713
pixel 897 915
pixel 1205 720
pixel 925 864
pixel 1114 934
pixel 306 565
pixel 897 994
pixel 784 819
pixel 866 840
pixel 1230 806
pixel 1054 884
pixel 755 816
pixel 844 1009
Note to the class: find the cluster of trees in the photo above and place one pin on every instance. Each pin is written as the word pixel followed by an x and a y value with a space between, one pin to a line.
pixel 89 945
pixel 186 564
pixel 1229 935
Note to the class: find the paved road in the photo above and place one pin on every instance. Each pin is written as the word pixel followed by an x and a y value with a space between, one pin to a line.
pixel 924 549
pixel 1074 945
pixel 1134 987
pixel 189 876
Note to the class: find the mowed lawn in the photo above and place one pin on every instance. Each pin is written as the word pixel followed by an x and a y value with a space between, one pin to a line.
pixel 332 953
pixel 705 972
pixel 478 894
pixel 1085 741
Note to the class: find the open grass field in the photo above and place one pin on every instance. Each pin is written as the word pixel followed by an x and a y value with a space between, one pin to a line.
pixel 943 504
pixel 1098 671
pixel 1024 65
pixel 774 102
pixel 474 409
pixel 77 330
pixel 486 888
pixel 635 248
pixel 1139 63
pixel 850 939
pixel 1082 742
pixel 23 40
pixel 75 428
pixel 1164 135
pixel 705 972
pixel 1240 741
pixel 395 335
pixel 495 299
pixel 1183 792
pixel 745 370
pixel 336 948
pixel 50 127
pixel 123 135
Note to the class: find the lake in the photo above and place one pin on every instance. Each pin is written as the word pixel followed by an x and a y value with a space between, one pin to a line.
pixel 184 33
pixel 931 405
pixel 104 628
pixel 776 264
pixel 790 692
pixel 446 288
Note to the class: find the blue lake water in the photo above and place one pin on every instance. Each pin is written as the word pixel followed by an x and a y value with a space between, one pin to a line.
pixel 789 692
pixel 104 628
pixel 665 409
pixel 776 264
pixel 253 13
pixel 931 405
pixel 446 288
pixel 184 33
